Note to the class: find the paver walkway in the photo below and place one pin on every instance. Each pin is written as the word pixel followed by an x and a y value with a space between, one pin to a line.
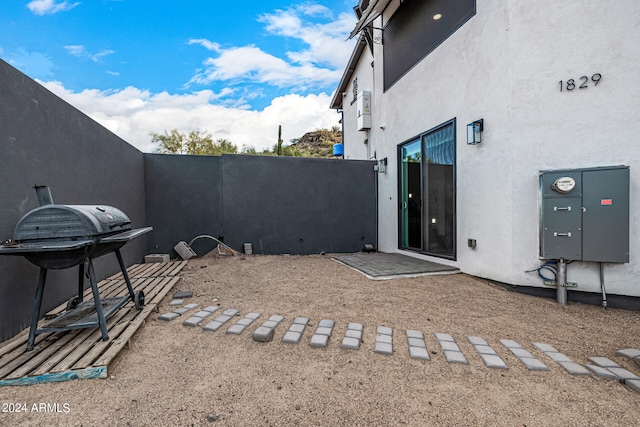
pixel 416 343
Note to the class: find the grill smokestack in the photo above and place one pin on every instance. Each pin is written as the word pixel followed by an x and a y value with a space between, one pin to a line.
pixel 44 195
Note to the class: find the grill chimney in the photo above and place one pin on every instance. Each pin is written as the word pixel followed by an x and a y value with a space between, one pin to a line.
pixel 44 195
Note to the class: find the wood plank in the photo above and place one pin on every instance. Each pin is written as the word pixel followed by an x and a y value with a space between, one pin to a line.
pixel 149 270
pixel 40 343
pixel 100 346
pixel 177 269
pixel 87 373
pixel 13 343
pixel 31 363
pixel 122 340
pixel 81 353
pixel 170 283
pixel 62 353
pixel 81 349
pixel 130 270
pixel 24 357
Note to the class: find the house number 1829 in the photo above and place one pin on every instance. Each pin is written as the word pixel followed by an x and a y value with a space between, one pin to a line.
pixel 582 83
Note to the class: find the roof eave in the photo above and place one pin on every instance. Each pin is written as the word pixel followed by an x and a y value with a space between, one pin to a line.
pixel 336 102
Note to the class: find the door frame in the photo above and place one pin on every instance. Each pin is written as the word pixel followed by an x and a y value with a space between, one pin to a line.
pixel 424 197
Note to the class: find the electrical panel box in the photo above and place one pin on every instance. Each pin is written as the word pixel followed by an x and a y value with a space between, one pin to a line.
pixel 584 214
pixel 363 107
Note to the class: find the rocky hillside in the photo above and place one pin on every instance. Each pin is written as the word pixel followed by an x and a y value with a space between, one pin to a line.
pixel 318 143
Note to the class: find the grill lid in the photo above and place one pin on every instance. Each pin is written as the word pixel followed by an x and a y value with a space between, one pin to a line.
pixel 70 222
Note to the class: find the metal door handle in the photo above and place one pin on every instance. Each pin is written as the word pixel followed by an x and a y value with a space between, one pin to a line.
pixel 556 208
pixel 556 234
pixel 404 205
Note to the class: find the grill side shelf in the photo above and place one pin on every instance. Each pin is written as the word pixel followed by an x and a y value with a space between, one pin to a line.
pixel 126 236
pixel 42 246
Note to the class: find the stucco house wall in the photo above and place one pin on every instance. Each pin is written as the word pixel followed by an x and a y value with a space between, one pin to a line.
pixel 505 65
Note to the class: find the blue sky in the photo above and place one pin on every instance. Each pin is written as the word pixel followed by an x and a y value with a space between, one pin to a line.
pixel 235 69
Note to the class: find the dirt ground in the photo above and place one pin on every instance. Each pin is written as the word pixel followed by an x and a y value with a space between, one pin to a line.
pixel 178 376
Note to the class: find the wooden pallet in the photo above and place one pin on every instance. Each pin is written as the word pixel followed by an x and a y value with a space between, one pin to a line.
pixel 81 353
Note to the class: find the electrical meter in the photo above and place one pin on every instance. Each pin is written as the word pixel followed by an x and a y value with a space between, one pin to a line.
pixel 563 184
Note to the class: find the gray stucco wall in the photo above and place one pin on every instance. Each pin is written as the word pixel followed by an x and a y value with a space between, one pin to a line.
pixel 45 141
pixel 278 204
pixel 184 200
pixel 298 206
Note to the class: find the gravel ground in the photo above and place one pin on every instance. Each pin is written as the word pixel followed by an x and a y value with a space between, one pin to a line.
pixel 178 376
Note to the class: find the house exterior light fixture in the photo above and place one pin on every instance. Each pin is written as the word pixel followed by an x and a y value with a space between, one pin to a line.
pixel 382 165
pixel 474 132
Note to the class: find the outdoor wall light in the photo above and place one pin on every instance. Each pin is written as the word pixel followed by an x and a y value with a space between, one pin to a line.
pixel 382 165
pixel 474 132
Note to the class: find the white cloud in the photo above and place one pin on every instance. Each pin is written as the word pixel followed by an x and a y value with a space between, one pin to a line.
pixel 81 52
pixel 207 44
pixel 49 7
pixel 319 64
pixel 250 63
pixel 326 41
pixel 132 113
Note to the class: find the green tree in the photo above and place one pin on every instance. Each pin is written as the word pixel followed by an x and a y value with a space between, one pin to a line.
pixel 248 150
pixel 194 142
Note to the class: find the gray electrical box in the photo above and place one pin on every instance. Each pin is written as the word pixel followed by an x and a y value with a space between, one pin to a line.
pixel 584 214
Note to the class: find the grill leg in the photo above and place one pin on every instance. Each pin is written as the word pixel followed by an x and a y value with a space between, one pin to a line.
pixel 80 283
pixel 124 273
pixel 96 299
pixel 37 305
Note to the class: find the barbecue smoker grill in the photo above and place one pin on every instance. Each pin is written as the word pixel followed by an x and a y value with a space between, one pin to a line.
pixel 63 236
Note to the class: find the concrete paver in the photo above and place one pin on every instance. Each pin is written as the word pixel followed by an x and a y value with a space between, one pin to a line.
pixel 384 340
pixel 266 331
pixel 604 362
pixel 383 348
pixel 575 368
pixel 295 331
pixel 419 353
pixel 238 327
pixel 352 336
pixel 533 364
pixel 601 367
pixel 292 337
pixel 451 350
pixel 623 374
pixel 320 338
pixel 417 345
pixel 263 334
pixel 349 343
pixel 633 384
pixel 493 361
pixel 488 354
pixel 168 316
pixel 631 353
pixel 602 372
pixel 455 357
pixel 445 337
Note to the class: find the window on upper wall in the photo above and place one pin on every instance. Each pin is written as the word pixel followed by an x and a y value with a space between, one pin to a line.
pixel 416 29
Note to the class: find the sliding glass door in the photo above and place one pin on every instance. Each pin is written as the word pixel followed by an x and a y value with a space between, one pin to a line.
pixel 427 192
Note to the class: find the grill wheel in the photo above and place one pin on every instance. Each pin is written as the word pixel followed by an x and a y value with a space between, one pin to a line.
pixel 138 299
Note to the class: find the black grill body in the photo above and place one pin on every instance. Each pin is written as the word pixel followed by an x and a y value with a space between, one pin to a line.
pixel 63 236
